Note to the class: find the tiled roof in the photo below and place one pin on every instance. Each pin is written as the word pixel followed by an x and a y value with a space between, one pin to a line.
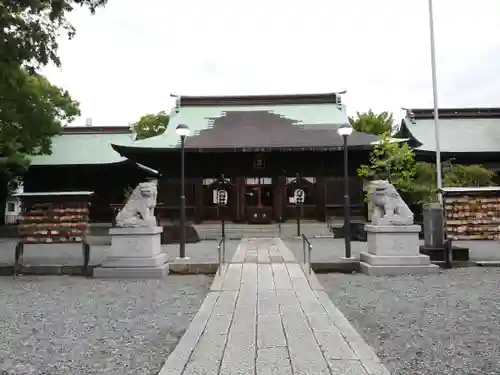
pixel 256 122
pixel 83 148
pixel 461 130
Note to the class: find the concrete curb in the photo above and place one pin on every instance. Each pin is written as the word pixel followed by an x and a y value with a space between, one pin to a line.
pixel 488 263
pixel 210 268
pixel 193 268
pixel 45 270
pixel 176 268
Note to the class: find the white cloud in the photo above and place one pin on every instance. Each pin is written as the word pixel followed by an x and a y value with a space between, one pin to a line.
pixel 128 58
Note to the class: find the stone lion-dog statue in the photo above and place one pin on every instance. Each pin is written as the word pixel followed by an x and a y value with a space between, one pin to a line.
pixel 388 206
pixel 140 207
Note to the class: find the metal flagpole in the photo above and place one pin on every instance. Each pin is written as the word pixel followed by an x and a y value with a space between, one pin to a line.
pixel 439 180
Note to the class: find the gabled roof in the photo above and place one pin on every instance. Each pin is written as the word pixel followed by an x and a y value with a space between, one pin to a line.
pixel 461 130
pixel 249 122
pixel 84 146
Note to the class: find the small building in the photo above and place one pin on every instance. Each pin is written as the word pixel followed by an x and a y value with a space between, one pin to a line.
pixel 82 159
pixel 467 135
pixel 13 205
pixel 265 147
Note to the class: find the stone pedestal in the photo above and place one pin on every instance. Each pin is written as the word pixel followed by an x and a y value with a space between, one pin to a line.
pixel 394 250
pixel 135 253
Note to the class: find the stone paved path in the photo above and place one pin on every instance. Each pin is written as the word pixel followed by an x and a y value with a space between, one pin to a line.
pixel 266 315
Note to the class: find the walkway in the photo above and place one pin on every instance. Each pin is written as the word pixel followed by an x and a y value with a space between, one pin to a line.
pixel 264 315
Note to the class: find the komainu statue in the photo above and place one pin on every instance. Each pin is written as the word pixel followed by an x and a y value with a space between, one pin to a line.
pixel 388 206
pixel 140 207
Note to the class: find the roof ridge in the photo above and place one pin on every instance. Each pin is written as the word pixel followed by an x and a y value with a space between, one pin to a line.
pixel 255 100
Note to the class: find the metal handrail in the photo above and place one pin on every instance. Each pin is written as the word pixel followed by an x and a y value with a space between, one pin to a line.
pixel 307 261
pixel 221 254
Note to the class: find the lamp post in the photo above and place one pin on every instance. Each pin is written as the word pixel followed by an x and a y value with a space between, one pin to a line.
pixel 345 131
pixel 183 131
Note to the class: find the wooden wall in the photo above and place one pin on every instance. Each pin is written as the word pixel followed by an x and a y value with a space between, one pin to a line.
pixel 109 181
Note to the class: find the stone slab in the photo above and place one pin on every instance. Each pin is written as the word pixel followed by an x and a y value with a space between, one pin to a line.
pixel 273 361
pixel 132 272
pixel 118 231
pixel 121 262
pixel 207 355
pixel 372 270
pixel 177 360
pixel 268 319
pixel 393 243
pixel 135 246
pixel 370 228
pixel 219 278
pixel 363 351
pixel 394 260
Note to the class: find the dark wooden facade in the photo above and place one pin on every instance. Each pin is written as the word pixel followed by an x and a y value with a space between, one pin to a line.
pixel 107 181
pixel 259 183
pixel 260 186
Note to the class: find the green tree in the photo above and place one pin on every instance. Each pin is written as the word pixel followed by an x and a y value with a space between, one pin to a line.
pixel 372 123
pixel 29 30
pixel 31 109
pixel 392 161
pixel 454 175
pixel 31 116
pixel 416 181
pixel 151 124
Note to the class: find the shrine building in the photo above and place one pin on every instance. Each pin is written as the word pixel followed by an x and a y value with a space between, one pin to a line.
pixel 264 146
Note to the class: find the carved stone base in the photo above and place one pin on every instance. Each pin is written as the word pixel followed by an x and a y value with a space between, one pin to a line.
pixel 394 250
pixel 134 253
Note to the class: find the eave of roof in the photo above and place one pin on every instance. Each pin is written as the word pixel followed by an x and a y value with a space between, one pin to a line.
pixel 83 149
pixel 457 135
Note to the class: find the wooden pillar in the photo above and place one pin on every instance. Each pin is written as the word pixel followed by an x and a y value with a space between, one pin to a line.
pixel 321 197
pixel 199 206
pixel 240 198
pixel 279 200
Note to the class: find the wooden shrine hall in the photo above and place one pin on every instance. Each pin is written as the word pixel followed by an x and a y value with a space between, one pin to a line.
pixel 264 147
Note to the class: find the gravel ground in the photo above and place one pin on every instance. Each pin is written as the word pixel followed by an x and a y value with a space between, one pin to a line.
pixel 441 324
pixel 69 325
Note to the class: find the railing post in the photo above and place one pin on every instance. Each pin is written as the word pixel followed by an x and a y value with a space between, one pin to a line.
pixel 304 249
pixel 224 249
pixel 219 257
pixel 309 256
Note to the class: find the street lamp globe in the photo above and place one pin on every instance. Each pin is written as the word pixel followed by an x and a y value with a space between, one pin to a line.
pixel 345 130
pixel 182 130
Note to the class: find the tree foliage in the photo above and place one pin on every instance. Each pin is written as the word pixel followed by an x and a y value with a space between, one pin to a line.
pixel 31 109
pixel 416 181
pixel 151 124
pixel 453 175
pixel 29 30
pixel 372 123
pixel 392 161
pixel 31 115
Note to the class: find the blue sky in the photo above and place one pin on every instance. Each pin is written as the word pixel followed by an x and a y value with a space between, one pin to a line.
pixel 127 59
